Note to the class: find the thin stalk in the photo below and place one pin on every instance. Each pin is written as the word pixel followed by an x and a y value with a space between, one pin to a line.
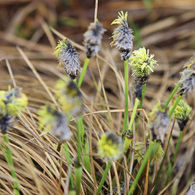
pixel 157 179
pixel 140 105
pixel 171 164
pixel 78 177
pixel 143 95
pixel 175 105
pixel 11 165
pixel 83 72
pixel 126 94
pixel 133 114
pixel 108 165
pixel 67 153
pixel 172 94
pixel 145 160
pixel 79 137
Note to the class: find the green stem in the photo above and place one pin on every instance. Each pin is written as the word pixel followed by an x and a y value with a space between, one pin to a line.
pixel 126 94
pixel 145 160
pixel 143 95
pixel 172 94
pixel 79 137
pixel 78 177
pixel 108 165
pixel 11 165
pixel 83 72
pixel 140 105
pixel 67 153
pixel 133 114
pixel 171 164
pixel 157 179
pixel 175 105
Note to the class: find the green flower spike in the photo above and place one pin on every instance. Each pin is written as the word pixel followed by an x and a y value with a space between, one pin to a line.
pixel 182 113
pixel 110 146
pixel 69 96
pixel 55 122
pixel 69 58
pixel 142 63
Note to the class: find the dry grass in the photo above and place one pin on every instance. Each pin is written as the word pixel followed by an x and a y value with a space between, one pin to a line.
pixel 168 32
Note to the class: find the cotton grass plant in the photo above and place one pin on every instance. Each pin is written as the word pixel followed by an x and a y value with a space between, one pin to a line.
pixel 89 158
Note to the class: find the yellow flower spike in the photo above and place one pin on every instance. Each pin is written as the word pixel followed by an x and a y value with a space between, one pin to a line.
pixel 110 146
pixel 3 110
pixel 55 122
pixel 142 63
pixel 190 63
pixel 182 113
pixel 69 96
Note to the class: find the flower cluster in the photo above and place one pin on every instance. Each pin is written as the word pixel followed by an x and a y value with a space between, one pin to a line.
pixel 110 146
pixel 122 36
pixel 92 39
pixel 11 102
pixel 55 122
pixel 69 96
pixel 69 58
pixel 142 65
pixel 182 113
pixel 159 121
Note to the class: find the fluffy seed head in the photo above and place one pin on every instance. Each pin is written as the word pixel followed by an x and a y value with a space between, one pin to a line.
pixel 92 39
pixel 122 36
pixel 69 58
pixel 69 96
pixel 159 121
pixel 187 81
pixel 142 63
pixel 110 146
pixel 54 122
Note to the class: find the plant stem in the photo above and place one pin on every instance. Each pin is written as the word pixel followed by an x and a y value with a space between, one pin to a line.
pixel 108 165
pixel 145 160
pixel 83 72
pixel 11 165
pixel 143 95
pixel 172 94
pixel 126 94
pixel 133 114
pixel 171 164
pixel 175 105
pixel 140 105
pixel 78 177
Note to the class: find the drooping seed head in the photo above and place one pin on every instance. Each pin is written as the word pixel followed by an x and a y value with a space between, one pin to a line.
pixel 54 122
pixel 69 96
pixel 159 121
pixel 122 36
pixel 68 57
pixel 142 64
pixel 110 146
pixel 92 39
